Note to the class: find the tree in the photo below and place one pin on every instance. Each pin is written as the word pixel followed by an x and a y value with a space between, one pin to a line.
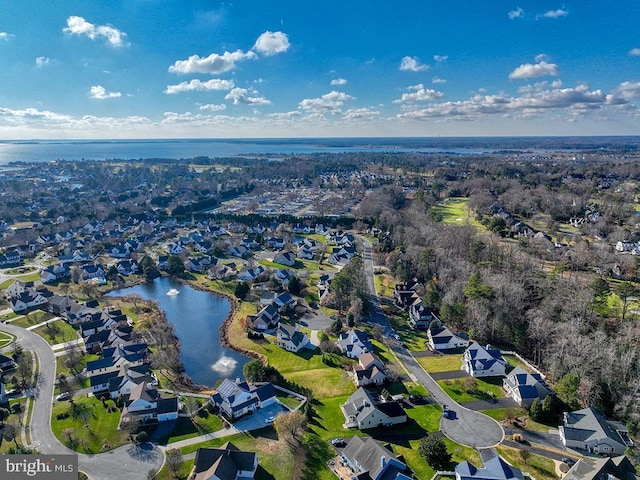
pixel 567 390
pixel 24 370
pixel 4 414
pixel 294 286
pixel 434 451
pixel 336 326
pixel 9 433
pixel 175 265
pixel 253 370
pixel 535 411
pixel 174 461
pixel 290 427
pixel 241 290
pixel 548 408
pixel 377 332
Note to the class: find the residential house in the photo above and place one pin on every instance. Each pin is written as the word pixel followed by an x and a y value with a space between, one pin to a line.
pixel 422 317
pixel 363 411
pixel 91 272
pixel 238 398
pixel 6 363
pixel 284 301
pixel 479 361
pixel 369 371
pixel 224 463
pixel 17 287
pixel 162 262
pixel 127 267
pixel 239 251
pixel 588 429
pixel 27 299
pixel 198 264
pixel 283 275
pixel 291 338
pixel 354 343
pixel 444 339
pixel 250 274
pixel 285 258
pixel 275 243
pixel 128 378
pixel 370 460
pixel 54 272
pixel 525 387
pixel 494 468
pixel 10 259
pixel 147 404
pixel 608 468
pixel 266 319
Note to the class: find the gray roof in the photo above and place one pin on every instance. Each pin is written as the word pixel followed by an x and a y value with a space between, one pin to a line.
pixel 495 468
pixel 223 462
pixel 602 469
pixel 589 424
pixel 369 457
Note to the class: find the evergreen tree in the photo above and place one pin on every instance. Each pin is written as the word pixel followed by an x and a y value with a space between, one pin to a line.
pixel 434 451
pixel 535 411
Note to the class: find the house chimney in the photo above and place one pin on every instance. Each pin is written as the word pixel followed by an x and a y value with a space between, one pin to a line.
pixel 237 380
pixel 383 460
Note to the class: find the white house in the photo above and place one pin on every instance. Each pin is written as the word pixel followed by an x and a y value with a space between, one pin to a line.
pixel 291 338
pixel 362 411
pixel 479 361
pixel 444 339
pixel 354 343
pixel 285 258
pixel 147 404
pixel 588 429
pixel 226 462
pixel 525 387
pixel 236 399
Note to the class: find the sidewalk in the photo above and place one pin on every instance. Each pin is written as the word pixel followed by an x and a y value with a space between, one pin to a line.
pixel 54 319
pixel 225 432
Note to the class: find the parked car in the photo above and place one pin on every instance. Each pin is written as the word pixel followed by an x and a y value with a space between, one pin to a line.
pixel 63 396
pixel 269 420
pixel 338 442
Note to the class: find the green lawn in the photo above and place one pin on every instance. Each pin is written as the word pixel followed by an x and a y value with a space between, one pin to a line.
pixel 275 460
pixel 57 332
pixel 102 425
pixel 516 362
pixel 32 318
pixel 441 363
pixel 480 389
pixel 455 210
pixel 62 369
pixel 288 400
pixel 540 467
pixel 500 414
pixel 203 423
pixel 385 284
pixel 6 339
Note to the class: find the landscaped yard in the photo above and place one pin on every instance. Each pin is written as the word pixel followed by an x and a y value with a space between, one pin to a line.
pixel 203 422
pixel 6 339
pixel 441 363
pixel 101 433
pixel 469 389
pixel 539 467
pixel 57 332
pixel 455 210
pixel 385 284
pixel 516 362
pixel 32 318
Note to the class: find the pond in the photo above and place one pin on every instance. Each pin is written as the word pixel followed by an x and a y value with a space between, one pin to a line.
pixel 196 317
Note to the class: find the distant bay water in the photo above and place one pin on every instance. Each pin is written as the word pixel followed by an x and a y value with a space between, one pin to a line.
pixel 48 150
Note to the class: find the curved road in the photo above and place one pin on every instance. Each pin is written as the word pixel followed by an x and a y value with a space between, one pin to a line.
pixel 470 428
pixel 129 461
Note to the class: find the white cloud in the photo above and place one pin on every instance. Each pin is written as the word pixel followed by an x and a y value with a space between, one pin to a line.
pixel 271 43
pixel 329 102
pixel 517 13
pixel 242 96
pixel 440 58
pixel 628 90
pixel 213 64
pixel 42 62
pixel 634 52
pixel 419 94
pixel 534 101
pixel 79 26
pixel 339 81
pixel 438 81
pixel 528 70
pixel 542 57
pixel 213 107
pixel 100 93
pixel 361 114
pixel 200 86
pixel 556 13
pixel 6 35
pixel 412 64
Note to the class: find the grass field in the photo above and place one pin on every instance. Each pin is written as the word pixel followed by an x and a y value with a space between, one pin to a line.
pixel 57 332
pixel 102 425
pixel 540 467
pixel 385 284
pixel 32 318
pixel 203 422
pixel 441 363
pixel 6 339
pixel 455 210
pixel 479 389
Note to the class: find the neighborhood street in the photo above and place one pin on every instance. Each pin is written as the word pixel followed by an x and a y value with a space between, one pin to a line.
pixel 133 460
pixel 468 427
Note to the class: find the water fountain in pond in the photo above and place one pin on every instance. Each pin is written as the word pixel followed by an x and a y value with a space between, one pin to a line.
pixel 173 292
pixel 225 365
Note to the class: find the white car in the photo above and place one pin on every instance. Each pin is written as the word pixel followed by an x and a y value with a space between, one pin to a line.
pixel 63 396
pixel 269 420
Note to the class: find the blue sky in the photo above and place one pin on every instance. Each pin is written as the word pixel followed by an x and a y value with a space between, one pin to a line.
pixel 297 68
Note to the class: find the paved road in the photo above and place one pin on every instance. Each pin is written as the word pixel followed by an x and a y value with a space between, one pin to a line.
pixel 129 461
pixel 469 428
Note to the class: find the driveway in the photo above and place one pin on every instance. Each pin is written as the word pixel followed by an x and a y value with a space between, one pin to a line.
pixel 131 460
pixel 258 419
